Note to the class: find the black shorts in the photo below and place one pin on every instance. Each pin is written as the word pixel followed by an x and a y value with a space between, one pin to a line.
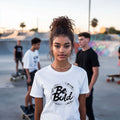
pixel 32 74
pixel 18 59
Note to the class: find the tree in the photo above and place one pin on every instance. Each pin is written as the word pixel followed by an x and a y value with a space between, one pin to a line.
pixel 22 25
pixel 34 29
pixel 118 32
pixel 94 23
pixel 112 30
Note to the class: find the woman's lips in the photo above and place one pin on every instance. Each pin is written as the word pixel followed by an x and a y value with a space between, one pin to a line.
pixel 61 56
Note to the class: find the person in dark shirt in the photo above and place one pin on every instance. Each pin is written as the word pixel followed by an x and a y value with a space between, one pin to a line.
pixel 88 60
pixel 18 54
pixel 119 56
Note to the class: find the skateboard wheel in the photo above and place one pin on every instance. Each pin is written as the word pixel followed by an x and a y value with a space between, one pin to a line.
pixel 118 82
pixel 108 80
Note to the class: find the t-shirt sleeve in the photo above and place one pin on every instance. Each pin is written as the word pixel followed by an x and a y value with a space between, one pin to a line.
pixel 37 88
pixel 26 61
pixel 94 60
pixel 84 87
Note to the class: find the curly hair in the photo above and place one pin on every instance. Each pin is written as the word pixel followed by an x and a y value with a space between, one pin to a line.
pixel 61 26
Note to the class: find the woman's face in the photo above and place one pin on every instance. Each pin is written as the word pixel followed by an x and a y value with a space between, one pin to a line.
pixel 61 48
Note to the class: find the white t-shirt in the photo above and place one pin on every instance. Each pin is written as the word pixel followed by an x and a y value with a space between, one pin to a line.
pixel 30 60
pixel 61 90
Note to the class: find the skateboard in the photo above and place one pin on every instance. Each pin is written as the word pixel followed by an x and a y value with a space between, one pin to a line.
pixel 26 116
pixel 19 76
pixel 112 78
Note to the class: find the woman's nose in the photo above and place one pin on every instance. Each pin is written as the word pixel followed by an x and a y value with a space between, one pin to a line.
pixel 61 49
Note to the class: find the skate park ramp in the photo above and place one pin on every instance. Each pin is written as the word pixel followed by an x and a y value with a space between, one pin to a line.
pixel 102 48
pixel 7 45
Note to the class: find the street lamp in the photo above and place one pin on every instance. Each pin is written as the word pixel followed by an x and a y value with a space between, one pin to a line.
pixel 89 16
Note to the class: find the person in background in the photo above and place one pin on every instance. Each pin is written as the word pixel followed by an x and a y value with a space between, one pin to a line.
pixel 31 65
pixel 119 56
pixel 18 55
pixel 88 60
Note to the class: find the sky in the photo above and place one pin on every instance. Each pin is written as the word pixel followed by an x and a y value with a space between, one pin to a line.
pixel 42 12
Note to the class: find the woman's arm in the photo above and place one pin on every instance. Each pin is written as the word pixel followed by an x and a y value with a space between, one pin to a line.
pixel 82 106
pixel 38 108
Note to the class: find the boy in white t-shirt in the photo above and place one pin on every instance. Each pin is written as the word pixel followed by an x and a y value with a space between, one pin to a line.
pixel 31 65
pixel 64 85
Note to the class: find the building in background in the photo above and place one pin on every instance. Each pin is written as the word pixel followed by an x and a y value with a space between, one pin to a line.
pixel 103 30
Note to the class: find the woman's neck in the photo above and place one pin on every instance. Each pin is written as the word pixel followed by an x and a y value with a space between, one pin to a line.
pixel 61 66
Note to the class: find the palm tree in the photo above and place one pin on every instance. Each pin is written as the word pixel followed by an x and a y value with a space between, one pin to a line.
pixel 94 23
pixel 22 25
pixel 34 29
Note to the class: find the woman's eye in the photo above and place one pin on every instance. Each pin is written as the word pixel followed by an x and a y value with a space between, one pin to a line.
pixel 67 46
pixel 57 46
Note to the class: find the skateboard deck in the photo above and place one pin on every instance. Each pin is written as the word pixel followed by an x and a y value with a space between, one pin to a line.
pixel 19 76
pixel 112 78
pixel 26 116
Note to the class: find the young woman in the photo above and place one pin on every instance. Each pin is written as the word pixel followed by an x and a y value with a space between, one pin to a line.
pixel 63 84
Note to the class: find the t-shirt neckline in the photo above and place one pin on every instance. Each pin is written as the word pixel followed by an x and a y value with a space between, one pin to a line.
pixel 86 50
pixel 57 72
pixel 32 51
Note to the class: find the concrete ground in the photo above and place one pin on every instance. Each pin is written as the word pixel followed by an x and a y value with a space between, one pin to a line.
pixel 106 95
